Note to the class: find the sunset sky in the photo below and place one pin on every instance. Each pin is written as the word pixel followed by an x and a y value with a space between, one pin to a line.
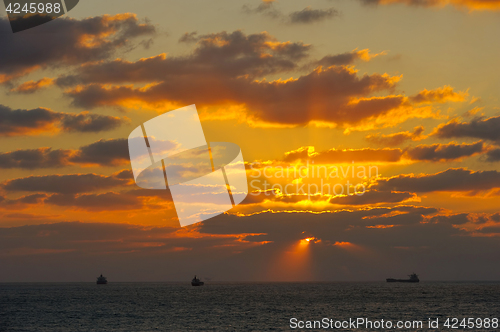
pixel 409 87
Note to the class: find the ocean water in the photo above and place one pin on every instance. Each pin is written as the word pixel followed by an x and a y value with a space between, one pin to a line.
pixel 140 307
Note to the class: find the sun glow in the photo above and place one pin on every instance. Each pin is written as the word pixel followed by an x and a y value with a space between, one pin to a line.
pixel 308 240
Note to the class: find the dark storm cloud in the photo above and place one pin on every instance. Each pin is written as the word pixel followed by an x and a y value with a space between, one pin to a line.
pixel 107 201
pixel 22 121
pixel 483 128
pixel 103 152
pixel 219 55
pixel 66 41
pixel 356 227
pixel 104 239
pixel 309 15
pixel 228 68
pixel 456 219
pixel 35 121
pixel 31 199
pixel 380 240
pixel 453 179
pixel 24 202
pixel 63 184
pixel 114 201
pixel 444 152
pixel 333 88
pixel 96 202
pixel 491 229
pixel 34 158
pixel 493 155
pixel 57 235
pixel 86 122
pixel 125 174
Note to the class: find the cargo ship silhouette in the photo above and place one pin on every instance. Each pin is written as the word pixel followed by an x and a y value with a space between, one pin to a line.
pixel 413 278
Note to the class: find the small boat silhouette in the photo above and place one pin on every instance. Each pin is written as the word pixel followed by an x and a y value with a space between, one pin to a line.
pixel 101 280
pixel 196 282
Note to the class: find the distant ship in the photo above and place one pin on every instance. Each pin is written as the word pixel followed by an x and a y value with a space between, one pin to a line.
pixel 413 278
pixel 101 280
pixel 196 282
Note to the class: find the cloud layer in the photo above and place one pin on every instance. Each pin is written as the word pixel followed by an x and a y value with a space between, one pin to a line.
pixel 229 70
pixel 264 246
pixel 307 15
pixel 19 122
pixel 471 5
pixel 77 41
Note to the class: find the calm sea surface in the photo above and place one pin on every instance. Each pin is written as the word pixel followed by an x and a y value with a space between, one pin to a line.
pixel 235 307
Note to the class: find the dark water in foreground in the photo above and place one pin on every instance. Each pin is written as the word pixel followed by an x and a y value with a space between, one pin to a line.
pixel 235 307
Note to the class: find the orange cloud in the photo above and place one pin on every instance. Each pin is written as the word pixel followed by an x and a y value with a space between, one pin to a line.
pixel 348 58
pixel 33 86
pixel 343 244
pixel 435 152
pixel 396 139
pixel 471 5
pixel 332 94
pixel 439 95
